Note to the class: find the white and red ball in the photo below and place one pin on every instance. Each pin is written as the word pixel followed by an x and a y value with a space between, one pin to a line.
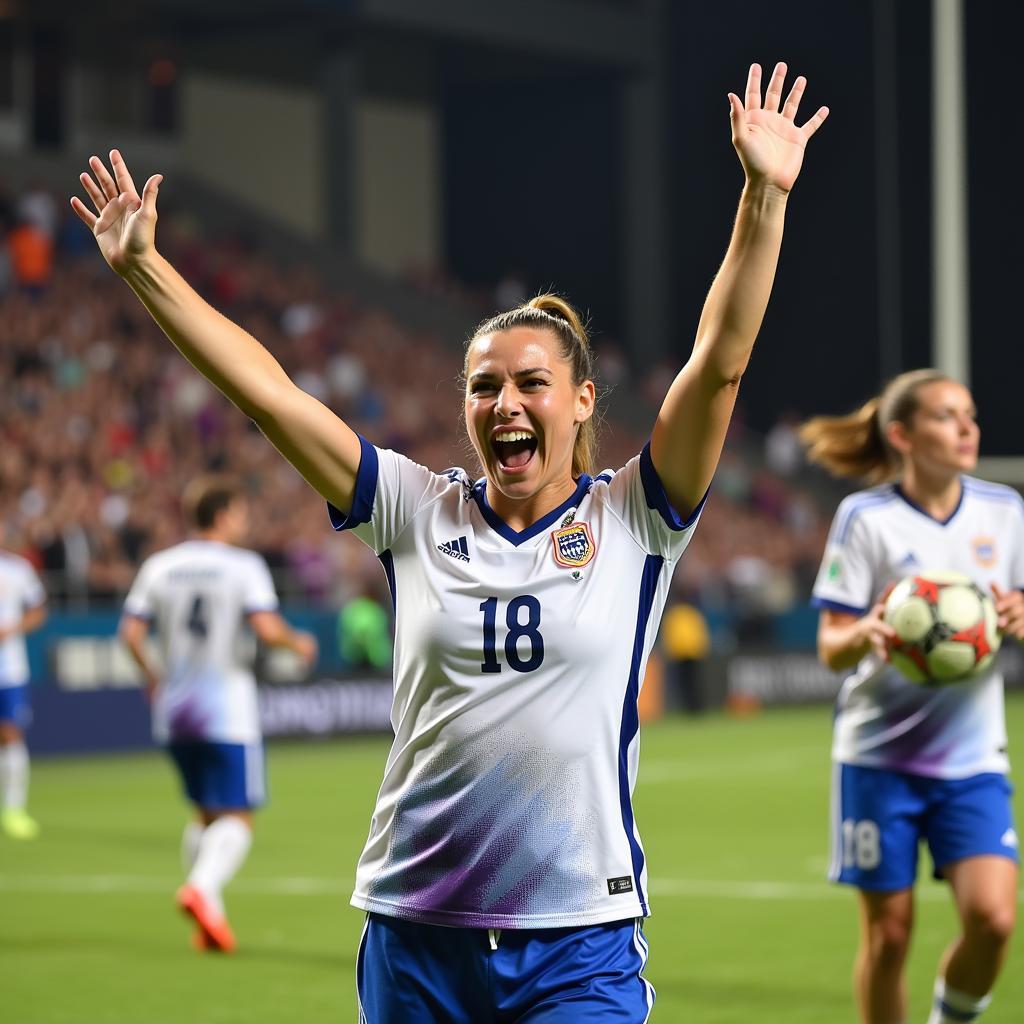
pixel 946 627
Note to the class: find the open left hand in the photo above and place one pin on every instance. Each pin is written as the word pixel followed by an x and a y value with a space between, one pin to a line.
pixel 1010 609
pixel 769 143
pixel 124 223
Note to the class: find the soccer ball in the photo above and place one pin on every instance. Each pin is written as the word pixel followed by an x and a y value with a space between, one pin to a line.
pixel 945 627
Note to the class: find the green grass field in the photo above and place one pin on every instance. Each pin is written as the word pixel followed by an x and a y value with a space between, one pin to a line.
pixel 733 814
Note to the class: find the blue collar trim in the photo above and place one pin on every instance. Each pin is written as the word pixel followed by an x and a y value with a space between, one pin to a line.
pixel 917 508
pixel 496 523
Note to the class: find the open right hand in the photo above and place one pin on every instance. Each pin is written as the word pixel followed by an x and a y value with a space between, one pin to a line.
pixel 124 223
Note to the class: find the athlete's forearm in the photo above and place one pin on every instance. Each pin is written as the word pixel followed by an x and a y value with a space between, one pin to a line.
pixel 133 635
pixel 274 631
pixel 149 673
pixel 220 350
pixel 31 620
pixel 842 646
pixel 308 434
pixel 687 438
pixel 738 297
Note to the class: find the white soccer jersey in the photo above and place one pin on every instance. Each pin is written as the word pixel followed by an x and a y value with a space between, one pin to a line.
pixel 20 590
pixel 878 537
pixel 197 595
pixel 506 800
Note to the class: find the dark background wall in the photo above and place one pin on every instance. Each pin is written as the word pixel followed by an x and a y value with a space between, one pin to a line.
pixel 531 147
pixel 532 176
pixel 819 347
pixel 532 179
pixel 995 151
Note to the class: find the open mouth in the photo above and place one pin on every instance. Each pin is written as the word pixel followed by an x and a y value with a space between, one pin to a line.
pixel 514 449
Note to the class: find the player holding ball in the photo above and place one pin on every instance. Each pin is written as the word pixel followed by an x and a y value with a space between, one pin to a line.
pixel 916 760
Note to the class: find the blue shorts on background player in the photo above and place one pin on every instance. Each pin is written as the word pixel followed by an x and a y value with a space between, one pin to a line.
pixel 918 763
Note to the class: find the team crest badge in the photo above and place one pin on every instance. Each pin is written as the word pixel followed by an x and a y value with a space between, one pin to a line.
pixel 984 550
pixel 574 545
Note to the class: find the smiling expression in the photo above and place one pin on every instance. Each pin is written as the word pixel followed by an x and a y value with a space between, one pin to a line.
pixel 523 411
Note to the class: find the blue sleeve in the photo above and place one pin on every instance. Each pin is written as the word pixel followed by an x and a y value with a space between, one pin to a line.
pixel 657 499
pixel 364 493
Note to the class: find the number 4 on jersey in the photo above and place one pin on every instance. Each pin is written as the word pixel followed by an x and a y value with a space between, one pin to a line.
pixel 197 622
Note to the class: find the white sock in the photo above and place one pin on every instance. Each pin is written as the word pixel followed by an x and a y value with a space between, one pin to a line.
pixel 222 851
pixel 13 775
pixel 190 840
pixel 952 1007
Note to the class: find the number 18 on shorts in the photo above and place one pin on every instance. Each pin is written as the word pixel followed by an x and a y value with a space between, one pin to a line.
pixel 880 817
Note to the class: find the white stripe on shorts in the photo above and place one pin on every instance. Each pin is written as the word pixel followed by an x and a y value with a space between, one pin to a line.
pixel 835 865
pixel 359 952
pixel 255 790
pixel 640 944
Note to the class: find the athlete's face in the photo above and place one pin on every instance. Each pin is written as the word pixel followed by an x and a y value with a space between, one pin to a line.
pixel 942 437
pixel 523 410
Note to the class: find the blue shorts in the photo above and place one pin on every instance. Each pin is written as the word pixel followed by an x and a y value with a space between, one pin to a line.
pixel 410 973
pixel 14 706
pixel 221 776
pixel 879 817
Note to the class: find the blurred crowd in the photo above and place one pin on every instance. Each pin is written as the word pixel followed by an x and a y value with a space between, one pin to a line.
pixel 102 423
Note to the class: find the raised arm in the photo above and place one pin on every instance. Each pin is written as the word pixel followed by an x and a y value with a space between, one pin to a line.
pixel 318 443
pixel 690 430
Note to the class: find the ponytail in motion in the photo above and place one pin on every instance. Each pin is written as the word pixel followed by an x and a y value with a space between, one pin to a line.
pixel 553 313
pixel 855 445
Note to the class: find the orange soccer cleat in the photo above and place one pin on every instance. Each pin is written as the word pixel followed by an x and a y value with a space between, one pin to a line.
pixel 216 931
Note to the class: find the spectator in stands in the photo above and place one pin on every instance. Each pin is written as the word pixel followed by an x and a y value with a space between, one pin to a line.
pixel 364 631
pixel 31 254
pixel 685 643
pixel 56 385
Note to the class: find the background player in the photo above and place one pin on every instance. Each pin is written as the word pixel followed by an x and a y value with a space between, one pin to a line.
pixel 918 762
pixel 198 595
pixel 506 802
pixel 22 610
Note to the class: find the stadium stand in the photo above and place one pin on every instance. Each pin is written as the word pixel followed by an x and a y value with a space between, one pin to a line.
pixel 102 422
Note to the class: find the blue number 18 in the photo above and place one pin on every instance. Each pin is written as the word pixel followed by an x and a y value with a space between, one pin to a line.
pixel 516 629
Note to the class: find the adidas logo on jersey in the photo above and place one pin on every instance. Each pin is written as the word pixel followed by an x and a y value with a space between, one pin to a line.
pixel 456 548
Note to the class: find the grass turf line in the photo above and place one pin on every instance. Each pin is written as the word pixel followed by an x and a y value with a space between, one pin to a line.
pixel 734 819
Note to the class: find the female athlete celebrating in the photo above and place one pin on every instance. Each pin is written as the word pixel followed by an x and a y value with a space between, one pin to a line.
pixel 526 606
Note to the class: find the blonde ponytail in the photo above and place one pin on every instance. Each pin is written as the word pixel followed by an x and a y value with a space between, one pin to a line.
pixel 855 445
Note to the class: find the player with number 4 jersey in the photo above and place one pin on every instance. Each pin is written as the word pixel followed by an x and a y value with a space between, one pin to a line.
pixel 198 597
